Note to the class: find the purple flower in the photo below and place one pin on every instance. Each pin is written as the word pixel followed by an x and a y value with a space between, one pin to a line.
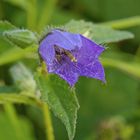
pixel 71 55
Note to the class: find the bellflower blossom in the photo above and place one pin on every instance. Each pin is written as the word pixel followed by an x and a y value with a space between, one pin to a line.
pixel 71 55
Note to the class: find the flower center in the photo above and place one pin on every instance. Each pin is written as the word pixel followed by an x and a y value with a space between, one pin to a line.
pixel 62 52
pixel 70 55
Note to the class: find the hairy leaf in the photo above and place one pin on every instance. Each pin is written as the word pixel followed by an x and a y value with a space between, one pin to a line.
pixel 21 38
pixel 61 99
pixel 99 33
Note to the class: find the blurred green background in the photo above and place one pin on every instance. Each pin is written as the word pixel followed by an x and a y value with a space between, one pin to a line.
pixel 107 112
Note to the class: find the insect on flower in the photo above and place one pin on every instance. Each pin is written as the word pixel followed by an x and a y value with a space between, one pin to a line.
pixel 67 53
pixel 71 55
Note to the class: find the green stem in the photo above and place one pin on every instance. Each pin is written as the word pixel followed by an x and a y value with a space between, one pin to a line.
pixel 12 116
pixel 130 68
pixel 9 56
pixel 31 14
pixel 46 13
pixel 6 100
pixel 19 99
pixel 48 122
pixel 123 23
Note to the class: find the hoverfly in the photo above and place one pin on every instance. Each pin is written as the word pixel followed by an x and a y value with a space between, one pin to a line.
pixel 67 53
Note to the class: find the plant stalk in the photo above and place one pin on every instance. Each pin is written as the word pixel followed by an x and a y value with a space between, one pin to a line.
pixel 48 122
pixel 123 23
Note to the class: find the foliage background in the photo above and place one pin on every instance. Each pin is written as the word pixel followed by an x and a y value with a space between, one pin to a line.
pixel 107 112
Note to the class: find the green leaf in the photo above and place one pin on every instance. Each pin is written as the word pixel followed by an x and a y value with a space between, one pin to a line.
pixel 99 33
pixel 5 25
pixel 61 99
pixel 21 38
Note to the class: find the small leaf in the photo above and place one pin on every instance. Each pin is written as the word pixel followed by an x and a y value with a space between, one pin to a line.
pixel 98 33
pixel 21 38
pixel 61 99
pixel 5 25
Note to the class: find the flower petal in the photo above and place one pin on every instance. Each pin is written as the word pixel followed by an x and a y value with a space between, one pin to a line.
pixel 87 59
pixel 47 52
pixel 68 72
pixel 93 70
pixel 64 40
pixel 90 48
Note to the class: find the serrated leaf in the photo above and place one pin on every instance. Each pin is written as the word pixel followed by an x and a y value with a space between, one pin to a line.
pixel 5 25
pixel 61 99
pixel 99 33
pixel 21 38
